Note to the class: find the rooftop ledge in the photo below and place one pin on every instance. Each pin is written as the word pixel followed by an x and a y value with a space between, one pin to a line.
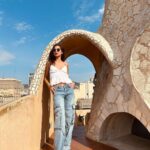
pixel 6 107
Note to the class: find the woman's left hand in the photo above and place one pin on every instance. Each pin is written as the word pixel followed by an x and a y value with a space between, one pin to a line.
pixel 72 85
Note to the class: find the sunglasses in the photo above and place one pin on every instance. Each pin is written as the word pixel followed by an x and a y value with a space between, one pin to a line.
pixel 57 49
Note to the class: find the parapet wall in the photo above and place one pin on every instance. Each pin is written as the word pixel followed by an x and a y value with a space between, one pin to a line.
pixel 20 124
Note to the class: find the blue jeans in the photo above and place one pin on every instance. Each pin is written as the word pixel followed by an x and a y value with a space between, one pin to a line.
pixel 64 111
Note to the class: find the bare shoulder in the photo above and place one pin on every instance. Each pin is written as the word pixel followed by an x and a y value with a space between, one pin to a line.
pixel 66 63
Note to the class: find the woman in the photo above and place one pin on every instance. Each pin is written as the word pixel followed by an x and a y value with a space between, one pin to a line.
pixel 62 88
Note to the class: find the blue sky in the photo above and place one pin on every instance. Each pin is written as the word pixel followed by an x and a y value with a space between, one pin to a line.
pixel 27 26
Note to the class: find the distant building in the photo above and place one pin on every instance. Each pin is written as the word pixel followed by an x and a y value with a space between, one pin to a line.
pixel 83 98
pixel 84 103
pixel 30 78
pixel 25 90
pixel 10 89
pixel 84 90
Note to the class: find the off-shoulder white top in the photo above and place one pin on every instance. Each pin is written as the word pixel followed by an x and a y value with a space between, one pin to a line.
pixel 59 75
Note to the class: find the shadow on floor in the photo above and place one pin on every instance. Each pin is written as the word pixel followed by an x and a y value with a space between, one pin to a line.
pixel 79 142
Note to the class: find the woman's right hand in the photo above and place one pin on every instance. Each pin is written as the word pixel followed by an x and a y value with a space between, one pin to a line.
pixel 52 89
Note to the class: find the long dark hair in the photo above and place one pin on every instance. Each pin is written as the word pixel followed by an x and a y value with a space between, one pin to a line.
pixel 52 58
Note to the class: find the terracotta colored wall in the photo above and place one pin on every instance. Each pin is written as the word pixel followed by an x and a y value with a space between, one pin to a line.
pixel 21 124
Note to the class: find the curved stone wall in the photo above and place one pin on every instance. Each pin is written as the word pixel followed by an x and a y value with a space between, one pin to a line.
pixel 95 38
pixel 123 22
pixel 140 65
pixel 125 26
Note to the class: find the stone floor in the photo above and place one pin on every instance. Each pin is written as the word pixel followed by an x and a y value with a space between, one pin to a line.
pixel 130 142
pixel 80 142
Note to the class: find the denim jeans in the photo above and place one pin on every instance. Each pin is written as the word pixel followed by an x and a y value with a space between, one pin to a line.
pixel 64 112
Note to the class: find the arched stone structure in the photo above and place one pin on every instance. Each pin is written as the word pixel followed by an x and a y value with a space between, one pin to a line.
pixel 126 33
pixel 95 39
pixel 126 131
pixel 121 124
pixel 75 42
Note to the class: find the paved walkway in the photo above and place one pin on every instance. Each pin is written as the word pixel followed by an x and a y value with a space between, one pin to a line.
pixel 80 142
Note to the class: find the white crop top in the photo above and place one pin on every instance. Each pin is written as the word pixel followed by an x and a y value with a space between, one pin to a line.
pixel 59 75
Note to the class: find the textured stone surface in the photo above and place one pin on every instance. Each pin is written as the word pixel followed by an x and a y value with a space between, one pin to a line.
pixel 140 65
pixel 126 28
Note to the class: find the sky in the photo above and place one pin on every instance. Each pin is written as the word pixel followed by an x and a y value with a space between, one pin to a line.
pixel 27 26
